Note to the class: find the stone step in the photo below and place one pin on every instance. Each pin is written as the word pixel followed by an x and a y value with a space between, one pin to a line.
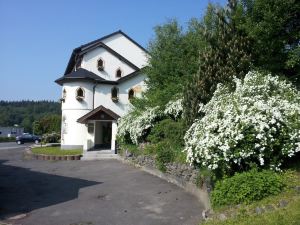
pixel 98 155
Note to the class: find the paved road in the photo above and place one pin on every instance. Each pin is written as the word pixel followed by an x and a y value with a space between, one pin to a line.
pixel 11 145
pixel 104 192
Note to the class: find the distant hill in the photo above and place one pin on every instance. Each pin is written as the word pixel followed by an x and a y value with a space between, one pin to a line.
pixel 24 113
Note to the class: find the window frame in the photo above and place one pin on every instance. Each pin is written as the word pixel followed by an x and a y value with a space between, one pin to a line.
pixel 130 97
pixel 80 97
pixel 114 98
pixel 121 72
pixel 100 68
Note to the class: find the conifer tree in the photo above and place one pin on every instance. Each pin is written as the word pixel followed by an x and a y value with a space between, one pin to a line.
pixel 227 55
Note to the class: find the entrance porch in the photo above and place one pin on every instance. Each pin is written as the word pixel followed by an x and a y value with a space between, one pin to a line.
pixel 101 130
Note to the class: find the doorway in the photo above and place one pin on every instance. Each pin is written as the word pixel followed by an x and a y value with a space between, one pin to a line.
pixel 103 132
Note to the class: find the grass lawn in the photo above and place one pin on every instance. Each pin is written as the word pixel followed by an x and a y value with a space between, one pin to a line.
pixel 55 151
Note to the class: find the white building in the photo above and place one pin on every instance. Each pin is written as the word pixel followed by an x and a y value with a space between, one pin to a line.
pixel 101 78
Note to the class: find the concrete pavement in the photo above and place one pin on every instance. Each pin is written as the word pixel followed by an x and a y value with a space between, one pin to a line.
pixel 104 192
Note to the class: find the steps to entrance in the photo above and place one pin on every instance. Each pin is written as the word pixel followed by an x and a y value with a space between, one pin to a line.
pixel 99 155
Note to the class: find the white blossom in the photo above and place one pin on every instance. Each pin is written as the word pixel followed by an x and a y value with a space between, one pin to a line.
pixel 261 116
pixel 174 108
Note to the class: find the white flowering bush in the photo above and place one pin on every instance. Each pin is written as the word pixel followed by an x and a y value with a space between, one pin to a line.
pixel 258 123
pixel 135 125
pixel 174 108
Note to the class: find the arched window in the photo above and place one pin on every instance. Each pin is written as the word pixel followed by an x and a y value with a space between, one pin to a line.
pixel 131 94
pixel 115 94
pixel 80 94
pixel 100 64
pixel 64 95
pixel 119 73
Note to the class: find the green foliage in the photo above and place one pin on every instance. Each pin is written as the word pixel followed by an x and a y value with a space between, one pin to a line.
pixel 274 29
pixel 174 58
pixel 164 154
pixel 7 139
pixel 167 130
pixel 227 55
pixel 56 151
pixel 47 124
pixel 246 187
pixel 133 149
pixel 51 138
pixel 24 113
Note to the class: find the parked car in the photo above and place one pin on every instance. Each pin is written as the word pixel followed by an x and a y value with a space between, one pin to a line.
pixel 27 138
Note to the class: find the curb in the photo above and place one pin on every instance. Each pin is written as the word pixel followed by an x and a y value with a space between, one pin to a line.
pixel 31 155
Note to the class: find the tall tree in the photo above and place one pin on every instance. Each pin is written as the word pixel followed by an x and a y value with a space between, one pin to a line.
pixel 274 29
pixel 174 58
pixel 227 55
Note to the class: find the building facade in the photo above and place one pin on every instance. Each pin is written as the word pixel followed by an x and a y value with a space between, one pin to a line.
pixel 100 80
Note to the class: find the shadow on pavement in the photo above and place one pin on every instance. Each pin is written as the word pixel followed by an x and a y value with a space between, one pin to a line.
pixel 23 190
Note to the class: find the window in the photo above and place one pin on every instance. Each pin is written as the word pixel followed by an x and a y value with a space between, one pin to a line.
pixel 115 94
pixel 119 73
pixel 64 95
pixel 131 94
pixel 100 64
pixel 90 128
pixel 80 94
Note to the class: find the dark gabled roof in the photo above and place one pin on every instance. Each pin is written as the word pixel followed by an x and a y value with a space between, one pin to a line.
pixel 85 75
pixel 77 51
pixel 79 74
pixel 99 113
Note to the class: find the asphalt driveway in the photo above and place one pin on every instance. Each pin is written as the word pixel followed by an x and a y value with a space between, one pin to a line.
pixel 104 192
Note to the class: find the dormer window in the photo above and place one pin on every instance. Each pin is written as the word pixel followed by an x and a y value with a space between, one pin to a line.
pixel 100 64
pixel 119 73
pixel 80 94
pixel 115 94
pixel 130 94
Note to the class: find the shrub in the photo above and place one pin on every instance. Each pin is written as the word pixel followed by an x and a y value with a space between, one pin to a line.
pixel 174 108
pixel 164 154
pixel 256 124
pixel 51 138
pixel 136 125
pixel 167 130
pixel 246 187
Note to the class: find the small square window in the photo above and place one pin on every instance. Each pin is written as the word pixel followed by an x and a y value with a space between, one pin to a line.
pixel 90 128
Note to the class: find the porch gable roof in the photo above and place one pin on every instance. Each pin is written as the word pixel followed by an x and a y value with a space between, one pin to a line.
pixel 99 113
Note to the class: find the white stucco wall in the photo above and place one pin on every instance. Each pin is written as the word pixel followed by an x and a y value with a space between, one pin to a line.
pixel 127 49
pixel 74 133
pixel 103 94
pixel 71 102
pixel 111 64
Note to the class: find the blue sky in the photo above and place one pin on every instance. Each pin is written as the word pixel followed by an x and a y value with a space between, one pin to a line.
pixel 37 37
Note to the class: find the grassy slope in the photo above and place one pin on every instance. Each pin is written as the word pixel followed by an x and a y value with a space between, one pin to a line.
pixel 55 151
pixel 290 215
